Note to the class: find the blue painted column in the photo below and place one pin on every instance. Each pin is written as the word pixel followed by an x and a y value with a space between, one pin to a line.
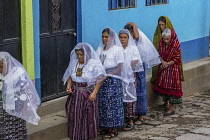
pixel 36 45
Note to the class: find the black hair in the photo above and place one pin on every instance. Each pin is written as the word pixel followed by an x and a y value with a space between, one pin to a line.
pixel 162 18
pixel 129 27
pixel 110 32
pixel 79 50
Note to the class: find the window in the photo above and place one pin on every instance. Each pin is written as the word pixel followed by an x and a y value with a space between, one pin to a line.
pixel 121 4
pixel 156 2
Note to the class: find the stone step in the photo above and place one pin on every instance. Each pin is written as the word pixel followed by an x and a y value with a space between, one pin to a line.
pixel 51 127
pixel 52 106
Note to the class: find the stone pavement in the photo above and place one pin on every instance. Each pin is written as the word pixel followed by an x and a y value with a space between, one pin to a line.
pixel 191 122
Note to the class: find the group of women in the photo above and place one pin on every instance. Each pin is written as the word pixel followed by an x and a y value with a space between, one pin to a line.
pixel 107 87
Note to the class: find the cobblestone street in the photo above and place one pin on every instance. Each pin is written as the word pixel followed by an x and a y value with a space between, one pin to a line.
pixel 191 122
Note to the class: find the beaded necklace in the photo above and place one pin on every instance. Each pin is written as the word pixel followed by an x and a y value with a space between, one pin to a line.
pixel 79 69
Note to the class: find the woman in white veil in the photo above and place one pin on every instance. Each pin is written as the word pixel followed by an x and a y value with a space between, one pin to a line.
pixel 19 100
pixel 110 96
pixel 132 64
pixel 150 58
pixel 83 76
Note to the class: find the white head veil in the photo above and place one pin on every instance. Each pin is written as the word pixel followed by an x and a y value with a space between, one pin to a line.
pixel 130 91
pixel 94 64
pixel 113 39
pixel 147 51
pixel 19 95
pixel 131 44
pixel 114 44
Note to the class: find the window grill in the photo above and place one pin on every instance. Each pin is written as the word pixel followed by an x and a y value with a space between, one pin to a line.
pixel 121 4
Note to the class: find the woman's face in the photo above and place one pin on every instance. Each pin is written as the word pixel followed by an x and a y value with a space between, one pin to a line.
pixel 124 39
pixel 80 56
pixel 162 25
pixel 166 39
pixel 1 66
pixel 105 38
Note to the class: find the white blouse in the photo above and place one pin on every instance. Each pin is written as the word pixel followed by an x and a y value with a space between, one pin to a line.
pixel 131 53
pixel 112 57
pixel 90 72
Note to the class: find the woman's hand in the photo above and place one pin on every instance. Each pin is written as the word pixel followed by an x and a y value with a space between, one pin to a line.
pixel 92 96
pixel 165 64
pixel 69 90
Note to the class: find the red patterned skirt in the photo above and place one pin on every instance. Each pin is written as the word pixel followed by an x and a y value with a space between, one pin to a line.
pixel 168 81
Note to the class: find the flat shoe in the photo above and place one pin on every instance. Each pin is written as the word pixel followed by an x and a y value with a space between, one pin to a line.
pixel 129 127
pixel 103 132
pixel 168 114
pixel 111 134
pixel 140 120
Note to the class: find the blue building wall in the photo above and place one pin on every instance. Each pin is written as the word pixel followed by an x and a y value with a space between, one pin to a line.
pixel 36 44
pixel 191 20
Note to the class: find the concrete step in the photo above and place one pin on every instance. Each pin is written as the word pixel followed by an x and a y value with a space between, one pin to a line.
pixel 51 127
pixel 53 123
pixel 52 106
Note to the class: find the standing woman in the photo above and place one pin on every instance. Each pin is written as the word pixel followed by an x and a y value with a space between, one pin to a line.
pixel 168 82
pixel 83 77
pixel 163 23
pixel 110 96
pixel 132 63
pixel 150 58
pixel 19 99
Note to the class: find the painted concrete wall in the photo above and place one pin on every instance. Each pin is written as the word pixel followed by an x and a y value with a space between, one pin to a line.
pixel 36 44
pixel 27 41
pixel 190 19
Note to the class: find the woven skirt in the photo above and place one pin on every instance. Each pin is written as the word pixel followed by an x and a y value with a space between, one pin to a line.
pixel 110 104
pixel 82 113
pixel 141 103
pixel 11 127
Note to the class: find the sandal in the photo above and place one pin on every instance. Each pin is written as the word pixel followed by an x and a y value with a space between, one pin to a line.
pixel 103 132
pixel 139 120
pixel 166 109
pixel 168 114
pixel 129 127
pixel 111 134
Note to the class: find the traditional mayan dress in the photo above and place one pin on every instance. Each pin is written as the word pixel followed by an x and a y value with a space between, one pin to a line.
pixel 82 113
pixel 132 63
pixel 141 103
pixel 168 81
pixel 18 100
pixel 156 40
pixel 110 95
pixel 140 81
pixel 130 107
pixel 150 58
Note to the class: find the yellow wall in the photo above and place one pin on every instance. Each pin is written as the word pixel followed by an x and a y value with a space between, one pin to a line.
pixel 27 37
